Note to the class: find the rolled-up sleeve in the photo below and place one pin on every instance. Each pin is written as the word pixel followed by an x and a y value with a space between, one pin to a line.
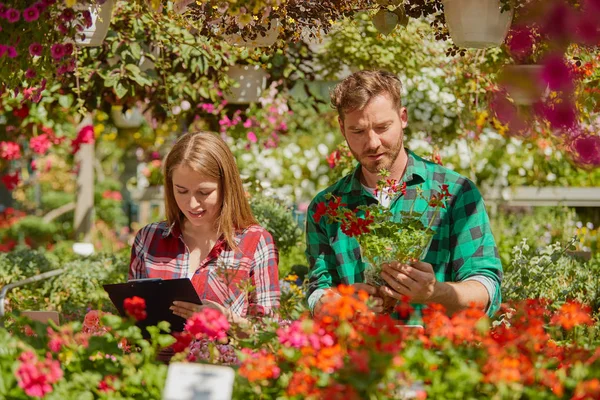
pixel 474 255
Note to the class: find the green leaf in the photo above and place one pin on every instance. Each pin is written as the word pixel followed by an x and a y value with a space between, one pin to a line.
pixel 136 50
pixel 111 80
pixel 120 90
pixel 65 101
pixel 134 69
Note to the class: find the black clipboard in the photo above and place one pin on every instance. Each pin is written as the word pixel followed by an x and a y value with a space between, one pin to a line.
pixel 159 295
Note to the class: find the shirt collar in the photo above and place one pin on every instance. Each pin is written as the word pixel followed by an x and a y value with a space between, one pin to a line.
pixel 172 230
pixel 416 172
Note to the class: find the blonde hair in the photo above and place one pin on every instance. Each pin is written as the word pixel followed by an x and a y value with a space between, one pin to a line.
pixel 355 92
pixel 207 154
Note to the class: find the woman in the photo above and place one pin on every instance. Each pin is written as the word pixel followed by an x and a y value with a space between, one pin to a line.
pixel 210 235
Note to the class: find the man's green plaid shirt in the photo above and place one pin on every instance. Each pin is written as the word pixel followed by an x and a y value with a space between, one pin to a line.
pixel 462 248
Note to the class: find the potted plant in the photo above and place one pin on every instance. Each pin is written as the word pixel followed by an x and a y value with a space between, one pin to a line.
pixel 36 44
pixel 522 80
pixel 129 118
pixel 250 80
pixel 96 29
pixel 477 23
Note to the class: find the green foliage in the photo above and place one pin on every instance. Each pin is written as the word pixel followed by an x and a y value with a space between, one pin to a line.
pixel 109 209
pixel 278 219
pixel 70 293
pixel 551 273
pixel 34 229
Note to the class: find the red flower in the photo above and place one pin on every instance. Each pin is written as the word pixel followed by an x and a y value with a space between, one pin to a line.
pixel 10 151
pixel 403 189
pixel 356 226
pixel 183 341
pixel 572 314
pixel 320 212
pixel 106 384
pixel 11 181
pixel 520 42
pixel 135 307
pixel 22 112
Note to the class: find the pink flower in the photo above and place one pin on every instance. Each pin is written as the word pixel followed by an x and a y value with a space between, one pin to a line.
pixel 10 151
pixel 36 377
pixel 11 181
pixel 252 137
pixel 293 335
pixel 556 73
pixel 12 15
pixel 208 107
pixel 586 150
pixel 248 123
pixel 31 14
pixel 112 195
pixel 2 10
pixel 11 52
pixel 57 51
pixel 209 323
pixel 85 135
pixel 40 144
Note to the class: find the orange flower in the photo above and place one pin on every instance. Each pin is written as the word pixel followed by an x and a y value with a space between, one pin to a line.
pixel 571 314
pixel 302 384
pixel 259 366
pixel 330 359
pixel 587 390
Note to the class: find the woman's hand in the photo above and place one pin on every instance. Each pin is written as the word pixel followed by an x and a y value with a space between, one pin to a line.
pixel 186 310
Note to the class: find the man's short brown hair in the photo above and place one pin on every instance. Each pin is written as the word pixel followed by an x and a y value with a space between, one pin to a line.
pixel 355 92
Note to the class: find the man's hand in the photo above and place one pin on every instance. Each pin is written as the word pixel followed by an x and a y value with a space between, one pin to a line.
pixel 416 281
pixel 375 302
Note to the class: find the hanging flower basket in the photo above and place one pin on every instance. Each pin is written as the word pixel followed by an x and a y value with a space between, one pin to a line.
pixel 523 83
pixel 252 81
pixel 477 23
pixel 268 40
pixel 101 14
pixel 132 118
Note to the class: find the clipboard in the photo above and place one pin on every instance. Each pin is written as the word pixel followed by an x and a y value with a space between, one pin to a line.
pixel 159 295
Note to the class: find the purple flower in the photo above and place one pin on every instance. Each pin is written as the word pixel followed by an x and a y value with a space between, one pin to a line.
pixel 12 15
pixel 31 14
pixel 35 49
pixel 2 50
pixel 520 42
pixel 48 3
pixel 30 74
pixel 70 65
pixel 41 7
pixel 556 73
pixel 67 15
pixel 87 18
pixel 561 115
pixel 586 150
pixel 61 70
pixel 2 10
pixel 68 49
pixel 62 28
pixel 587 29
pixel 558 21
pixel 57 51
pixel 11 51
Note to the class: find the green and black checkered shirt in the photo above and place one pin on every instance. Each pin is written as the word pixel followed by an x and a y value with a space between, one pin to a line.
pixel 462 248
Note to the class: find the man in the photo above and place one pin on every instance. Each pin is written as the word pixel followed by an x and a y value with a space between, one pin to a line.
pixel 462 264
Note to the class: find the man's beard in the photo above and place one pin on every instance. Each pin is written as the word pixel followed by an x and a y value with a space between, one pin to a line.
pixel 385 162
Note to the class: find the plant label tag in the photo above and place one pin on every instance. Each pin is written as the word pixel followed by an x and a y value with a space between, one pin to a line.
pixel 189 381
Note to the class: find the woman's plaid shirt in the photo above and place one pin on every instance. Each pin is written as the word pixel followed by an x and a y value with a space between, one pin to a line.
pixel 246 280
pixel 462 248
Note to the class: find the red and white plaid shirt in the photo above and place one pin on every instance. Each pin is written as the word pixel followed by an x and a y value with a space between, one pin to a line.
pixel 223 276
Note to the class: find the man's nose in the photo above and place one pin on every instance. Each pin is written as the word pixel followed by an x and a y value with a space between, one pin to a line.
pixel 373 140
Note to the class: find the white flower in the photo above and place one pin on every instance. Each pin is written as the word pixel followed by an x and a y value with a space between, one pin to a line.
pixel 550 177
pixel 185 105
pixel 323 149
pixel 522 172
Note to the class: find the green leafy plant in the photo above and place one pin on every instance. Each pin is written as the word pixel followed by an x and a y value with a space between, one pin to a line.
pixel 278 219
pixel 381 236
